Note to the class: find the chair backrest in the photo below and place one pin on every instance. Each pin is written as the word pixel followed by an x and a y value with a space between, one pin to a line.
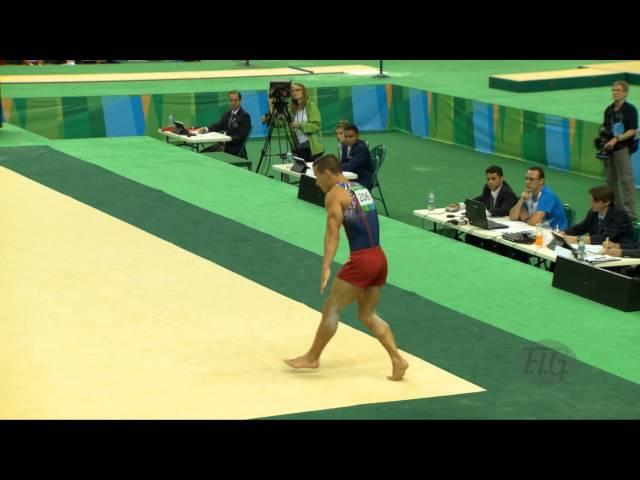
pixel 636 231
pixel 243 150
pixel 378 154
pixel 570 213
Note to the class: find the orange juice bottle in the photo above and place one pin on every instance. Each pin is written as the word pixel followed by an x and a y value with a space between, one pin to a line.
pixel 539 235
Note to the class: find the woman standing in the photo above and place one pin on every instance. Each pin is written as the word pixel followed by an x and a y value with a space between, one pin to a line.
pixel 305 122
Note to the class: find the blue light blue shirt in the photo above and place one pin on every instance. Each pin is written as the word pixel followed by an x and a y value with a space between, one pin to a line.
pixel 549 203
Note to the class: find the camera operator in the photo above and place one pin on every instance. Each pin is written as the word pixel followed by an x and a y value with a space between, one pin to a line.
pixel 620 126
pixel 304 117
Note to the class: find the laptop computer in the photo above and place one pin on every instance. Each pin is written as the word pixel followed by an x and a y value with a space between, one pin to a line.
pixel 181 129
pixel 559 240
pixel 299 165
pixel 478 217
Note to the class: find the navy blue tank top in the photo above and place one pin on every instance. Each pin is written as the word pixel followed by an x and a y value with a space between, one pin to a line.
pixel 360 218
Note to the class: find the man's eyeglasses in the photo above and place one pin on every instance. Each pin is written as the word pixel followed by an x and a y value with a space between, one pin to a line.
pixel 531 178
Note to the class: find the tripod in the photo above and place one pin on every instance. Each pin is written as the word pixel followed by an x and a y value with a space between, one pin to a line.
pixel 280 118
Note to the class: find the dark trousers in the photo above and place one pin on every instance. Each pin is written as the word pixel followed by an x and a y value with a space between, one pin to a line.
pixel 304 153
pixel 223 147
pixel 618 170
pixel 215 147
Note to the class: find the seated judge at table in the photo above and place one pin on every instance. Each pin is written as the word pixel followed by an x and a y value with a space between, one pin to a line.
pixel 235 123
pixel 605 220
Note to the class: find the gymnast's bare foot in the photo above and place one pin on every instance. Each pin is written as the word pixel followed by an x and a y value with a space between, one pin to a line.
pixel 399 367
pixel 302 362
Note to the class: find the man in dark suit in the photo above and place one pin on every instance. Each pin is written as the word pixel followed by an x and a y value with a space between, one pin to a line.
pixel 236 123
pixel 497 195
pixel 355 157
pixel 498 198
pixel 604 221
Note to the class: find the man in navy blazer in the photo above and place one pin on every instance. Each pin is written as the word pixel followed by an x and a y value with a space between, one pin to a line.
pixel 498 198
pixel 355 156
pixel 497 195
pixel 604 221
pixel 235 122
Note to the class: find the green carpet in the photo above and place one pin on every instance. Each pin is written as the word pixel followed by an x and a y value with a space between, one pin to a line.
pixel 12 136
pixel 456 342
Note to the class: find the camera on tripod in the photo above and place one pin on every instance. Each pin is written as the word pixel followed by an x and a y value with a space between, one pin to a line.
pixel 280 92
pixel 278 119
pixel 604 135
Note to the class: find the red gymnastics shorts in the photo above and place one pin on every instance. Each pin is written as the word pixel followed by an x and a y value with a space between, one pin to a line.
pixel 365 268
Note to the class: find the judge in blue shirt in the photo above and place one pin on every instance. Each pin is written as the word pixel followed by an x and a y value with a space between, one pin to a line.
pixel 538 204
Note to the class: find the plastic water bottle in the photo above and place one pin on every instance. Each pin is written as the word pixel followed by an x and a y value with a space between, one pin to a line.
pixel 171 120
pixel 431 200
pixel 539 235
pixel 289 157
pixel 581 248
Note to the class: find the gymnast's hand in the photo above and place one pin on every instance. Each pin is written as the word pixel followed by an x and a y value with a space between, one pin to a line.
pixel 324 278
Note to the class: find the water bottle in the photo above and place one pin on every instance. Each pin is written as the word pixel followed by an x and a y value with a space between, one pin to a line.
pixel 431 200
pixel 289 157
pixel 539 235
pixel 581 248
pixel 171 120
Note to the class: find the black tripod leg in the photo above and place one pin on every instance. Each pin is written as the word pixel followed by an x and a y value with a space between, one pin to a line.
pixel 290 137
pixel 267 145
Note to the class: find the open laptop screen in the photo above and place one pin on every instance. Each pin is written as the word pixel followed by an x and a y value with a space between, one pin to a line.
pixel 559 240
pixel 299 165
pixel 181 129
pixel 475 213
